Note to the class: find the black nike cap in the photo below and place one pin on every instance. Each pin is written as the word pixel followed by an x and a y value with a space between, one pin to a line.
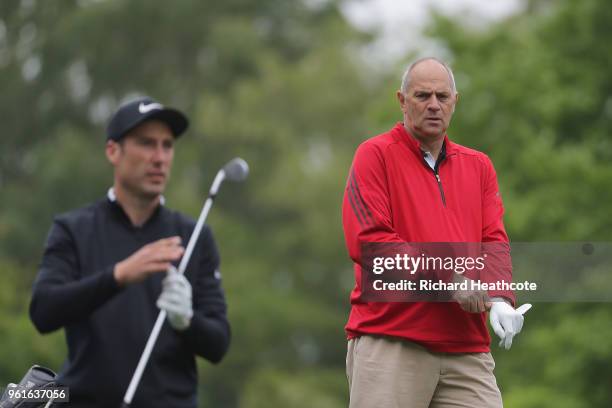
pixel 133 113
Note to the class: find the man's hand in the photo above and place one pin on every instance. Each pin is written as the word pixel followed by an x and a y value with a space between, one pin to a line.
pixel 472 301
pixel 175 299
pixel 506 321
pixel 151 258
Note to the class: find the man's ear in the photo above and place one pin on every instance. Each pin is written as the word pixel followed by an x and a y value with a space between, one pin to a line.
pixel 113 151
pixel 401 98
pixel 456 101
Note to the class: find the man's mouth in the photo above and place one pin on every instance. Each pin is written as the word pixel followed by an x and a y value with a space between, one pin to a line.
pixel 156 175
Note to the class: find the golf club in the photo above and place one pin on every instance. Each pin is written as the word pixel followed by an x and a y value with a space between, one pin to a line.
pixel 235 170
pixel 37 378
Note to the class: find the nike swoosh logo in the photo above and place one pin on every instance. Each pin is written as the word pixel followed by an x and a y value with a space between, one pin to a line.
pixel 142 108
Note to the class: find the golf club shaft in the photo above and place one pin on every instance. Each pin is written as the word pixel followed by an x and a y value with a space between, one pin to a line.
pixel 196 233
pixel 144 358
pixel 146 354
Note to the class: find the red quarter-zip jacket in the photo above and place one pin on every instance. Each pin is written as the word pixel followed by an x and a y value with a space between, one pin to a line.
pixel 392 195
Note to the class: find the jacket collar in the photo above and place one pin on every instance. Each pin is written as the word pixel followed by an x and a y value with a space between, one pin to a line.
pixel 400 132
pixel 118 210
pixel 112 197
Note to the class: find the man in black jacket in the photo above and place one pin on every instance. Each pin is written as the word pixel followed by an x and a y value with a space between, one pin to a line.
pixel 108 267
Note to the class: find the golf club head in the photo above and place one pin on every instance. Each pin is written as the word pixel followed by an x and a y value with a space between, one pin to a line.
pixel 236 169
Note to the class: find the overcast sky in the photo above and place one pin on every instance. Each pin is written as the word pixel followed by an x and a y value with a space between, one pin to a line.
pixel 401 21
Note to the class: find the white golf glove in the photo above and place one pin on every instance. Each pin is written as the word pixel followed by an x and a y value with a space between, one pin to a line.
pixel 506 321
pixel 175 299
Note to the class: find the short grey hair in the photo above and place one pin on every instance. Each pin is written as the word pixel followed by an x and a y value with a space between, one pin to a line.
pixel 406 77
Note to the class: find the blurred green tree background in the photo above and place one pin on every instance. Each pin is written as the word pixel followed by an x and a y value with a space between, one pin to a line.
pixel 283 84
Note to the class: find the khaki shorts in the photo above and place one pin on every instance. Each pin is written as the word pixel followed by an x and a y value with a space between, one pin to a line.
pixel 385 372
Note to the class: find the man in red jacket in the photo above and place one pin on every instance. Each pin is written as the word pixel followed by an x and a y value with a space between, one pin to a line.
pixel 413 185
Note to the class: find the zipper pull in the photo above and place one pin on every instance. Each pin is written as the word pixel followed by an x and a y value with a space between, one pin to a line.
pixel 438 177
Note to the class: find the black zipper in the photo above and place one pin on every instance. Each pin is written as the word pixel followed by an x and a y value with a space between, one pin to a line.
pixel 440 186
pixel 441 158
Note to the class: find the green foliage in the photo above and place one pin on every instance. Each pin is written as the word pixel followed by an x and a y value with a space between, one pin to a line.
pixel 303 389
pixel 278 83
pixel 21 346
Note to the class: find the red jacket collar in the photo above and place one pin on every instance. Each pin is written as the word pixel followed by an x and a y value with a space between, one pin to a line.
pixel 412 142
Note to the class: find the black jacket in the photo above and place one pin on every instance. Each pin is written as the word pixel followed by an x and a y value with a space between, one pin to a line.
pixel 107 326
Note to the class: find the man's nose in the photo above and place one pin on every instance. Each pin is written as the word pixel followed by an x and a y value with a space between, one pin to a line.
pixel 159 154
pixel 434 104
